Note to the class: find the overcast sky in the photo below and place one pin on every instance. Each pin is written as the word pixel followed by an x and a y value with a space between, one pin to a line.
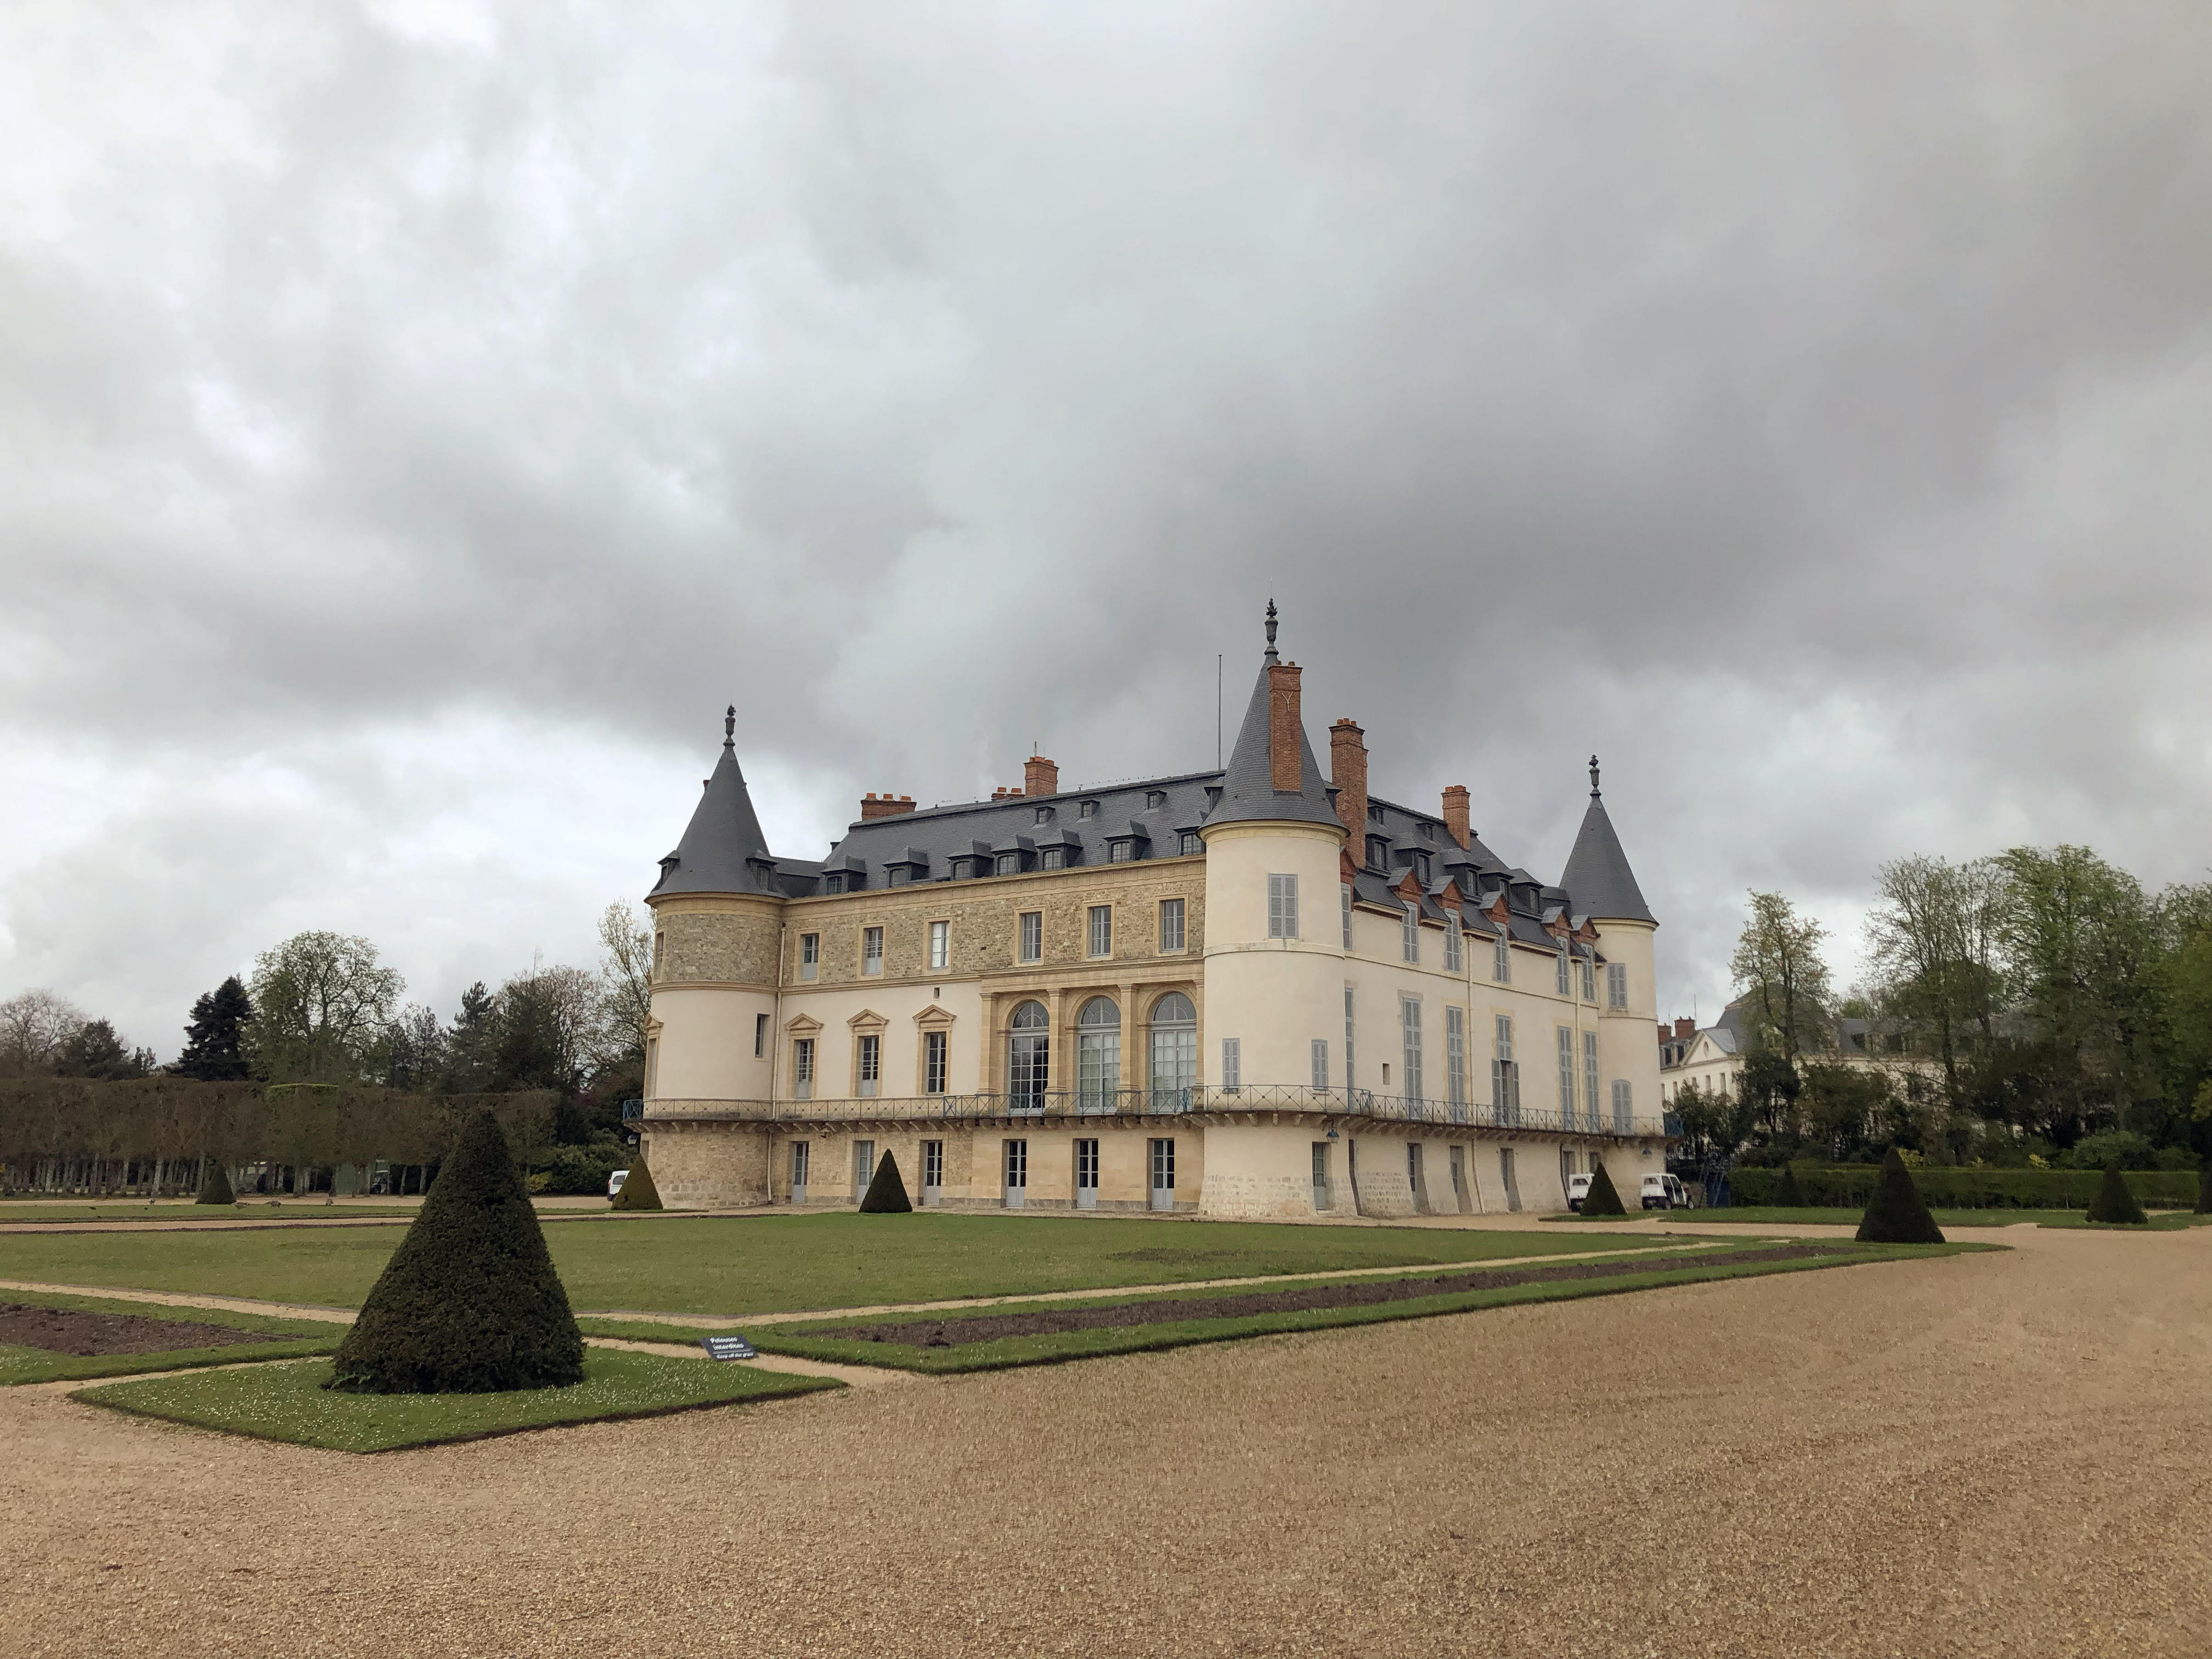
pixel 418 421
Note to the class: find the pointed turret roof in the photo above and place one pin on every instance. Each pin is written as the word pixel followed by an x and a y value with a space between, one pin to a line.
pixel 1249 794
pixel 723 850
pixel 1598 879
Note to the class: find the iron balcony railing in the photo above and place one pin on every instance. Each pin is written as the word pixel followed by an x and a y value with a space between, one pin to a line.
pixel 1155 1103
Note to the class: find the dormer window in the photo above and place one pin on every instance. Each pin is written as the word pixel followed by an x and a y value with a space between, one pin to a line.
pixel 1375 814
pixel 1155 800
pixel 833 884
pixel 1044 815
pixel 1378 852
pixel 1052 858
pixel 1421 868
pixel 1189 844
pixel 1428 832
pixel 898 875
pixel 1088 809
pixel 1120 850
pixel 1009 863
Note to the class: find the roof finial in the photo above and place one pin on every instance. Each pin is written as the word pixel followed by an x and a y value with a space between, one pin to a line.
pixel 1271 630
pixel 1593 777
pixel 730 727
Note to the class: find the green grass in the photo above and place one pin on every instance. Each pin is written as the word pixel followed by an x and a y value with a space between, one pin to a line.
pixel 768 1264
pixel 288 1338
pixel 253 1209
pixel 288 1401
pixel 803 1340
pixel 1765 1215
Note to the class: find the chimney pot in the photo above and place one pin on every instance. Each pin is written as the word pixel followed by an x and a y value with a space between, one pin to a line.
pixel 874 806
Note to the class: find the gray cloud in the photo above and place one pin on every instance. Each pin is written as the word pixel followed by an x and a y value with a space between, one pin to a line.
pixel 419 422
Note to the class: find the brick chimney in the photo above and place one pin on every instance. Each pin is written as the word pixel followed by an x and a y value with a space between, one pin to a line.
pixel 1347 770
pixel 1455 813
pixel 1039 777
pixel 1686 1028
pixel 1285 737
pixel 886 805
pixel 1003 793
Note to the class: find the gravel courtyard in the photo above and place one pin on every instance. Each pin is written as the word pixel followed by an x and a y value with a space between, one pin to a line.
pixel 1996 1453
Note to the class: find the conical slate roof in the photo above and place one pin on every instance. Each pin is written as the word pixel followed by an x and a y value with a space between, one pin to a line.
pixel 1598 880
pixel 1249 794
pixel 724 834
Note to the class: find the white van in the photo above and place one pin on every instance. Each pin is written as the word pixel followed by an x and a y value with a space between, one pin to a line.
pixel 1665 1192
pixel 615 1182
pixel 1577 1190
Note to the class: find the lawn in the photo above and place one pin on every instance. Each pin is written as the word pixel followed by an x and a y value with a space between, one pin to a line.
pixel 1767 1214
pixel 741 1265
pixel 846 1340
pixel 288 1401
pixel 279 1339
pixel 59 1211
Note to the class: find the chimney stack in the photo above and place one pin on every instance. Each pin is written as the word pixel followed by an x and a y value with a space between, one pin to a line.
pixel 1347 770
pixel 1003 793
pixel 1686 1028
pixel 1039 777
pixel 886 805
pixel 1455 814
pixel 1286 736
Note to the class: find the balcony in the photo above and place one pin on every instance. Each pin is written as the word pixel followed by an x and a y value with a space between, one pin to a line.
pixel 1480 1117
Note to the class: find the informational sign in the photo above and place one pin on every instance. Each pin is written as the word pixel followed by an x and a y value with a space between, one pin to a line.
pixel 727 1347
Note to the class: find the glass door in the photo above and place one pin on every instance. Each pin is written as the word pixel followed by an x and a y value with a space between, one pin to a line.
pixel 1016 1173
pixel 1086 1174
pixel 1162 1175
pixel 933 1172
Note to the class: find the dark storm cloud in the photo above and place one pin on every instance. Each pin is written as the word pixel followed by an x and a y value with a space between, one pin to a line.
pixel 1802 406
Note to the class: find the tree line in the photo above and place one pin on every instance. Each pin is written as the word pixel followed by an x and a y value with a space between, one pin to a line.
pixel 2037 1006
pixel 312 1062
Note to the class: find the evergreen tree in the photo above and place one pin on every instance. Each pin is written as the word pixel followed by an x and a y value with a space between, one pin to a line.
pixel 1601 1198
pixel 638 1191
pixel 886 1194
pixel 1787 1193
pixel 215 1189
pixel 469 1303
pixel 2114 1202
pixel 214 1041
pixel 1896 1214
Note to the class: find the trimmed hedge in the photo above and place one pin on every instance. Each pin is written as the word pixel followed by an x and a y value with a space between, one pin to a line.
pixel 638 1191
pixel 215 1189
pixel 1787 1192
pixel 886 1194
pixel 1601 1198
pixel 2114 1203
pixel 1850 1185
pixel 1896 1214
pixel 2205 1190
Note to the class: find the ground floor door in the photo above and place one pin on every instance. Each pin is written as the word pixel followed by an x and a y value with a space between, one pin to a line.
pixel 1459 1180
pixel 933 1172
pixel 1415 1178
pixel 864 1168
pixel 799 1162
pixel 1321 1177
pixel 1162 1175
pixel 1016 1173
pixel 1507 1179
pixel 1086 1174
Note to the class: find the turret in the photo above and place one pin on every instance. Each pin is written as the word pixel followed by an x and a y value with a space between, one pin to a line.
pixel 717 919
pixel 1602 889
pixel 1275 962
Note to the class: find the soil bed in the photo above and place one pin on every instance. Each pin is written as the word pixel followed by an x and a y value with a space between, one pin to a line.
pixel 1045 1321
pixel 74 1331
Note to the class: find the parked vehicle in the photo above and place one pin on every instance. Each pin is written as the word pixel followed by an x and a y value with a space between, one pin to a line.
pixel 1665 1192
pixel 1577 1190
pixel 615 1182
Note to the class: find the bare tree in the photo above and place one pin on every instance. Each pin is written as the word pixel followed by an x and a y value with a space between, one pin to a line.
pixel 1778 963
pixel 626 974
pixel 33 1026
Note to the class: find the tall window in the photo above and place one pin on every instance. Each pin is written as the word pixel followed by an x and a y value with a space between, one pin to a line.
pixel 933 1056
pixel 799 1148
pixel 1345 894
pixel 1616 985
pixel 1561 985
pixel 1590 979
pixel 872 950
pixel 1347 1037
pixel 1409 1022
pixel 1505 1076
pixel 1232 1064
pixel 1589 1078
pixel 1032 936
pixel 810 956
pixel 1501 959
pixel 802 1069
pixel 1320 1062
pixel 868 1065
pixel 659 941
pixel 1029 1058
pixel 1097 1055
pixel 1173 1070
pixel 1170 925
pixel 1102 930
pixel 933 1162
pixel 940 945
pixel 1410 941
pixel 1187 843
pixel 1566 1037
pixel 1455 956
pixel 760 1037
pixel 1456 1061
pixel 1282 906
pixel 1623 1116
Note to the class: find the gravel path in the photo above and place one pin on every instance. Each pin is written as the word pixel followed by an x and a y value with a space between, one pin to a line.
pixel 2005 1453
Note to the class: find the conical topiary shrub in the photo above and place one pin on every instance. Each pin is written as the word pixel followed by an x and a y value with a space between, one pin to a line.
pixel 1896 1213
pixel 2114 1202
pixel 469 1303
pixel 2205 1188
pixel 638 1191
pixel 215 1189
pixel 886 1194
pixel 1787 1192
pixel 1601 1198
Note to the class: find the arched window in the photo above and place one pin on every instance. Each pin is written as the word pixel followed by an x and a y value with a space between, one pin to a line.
pixel 1174 1052
pixel 1097 1055
pixel 1029 1058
